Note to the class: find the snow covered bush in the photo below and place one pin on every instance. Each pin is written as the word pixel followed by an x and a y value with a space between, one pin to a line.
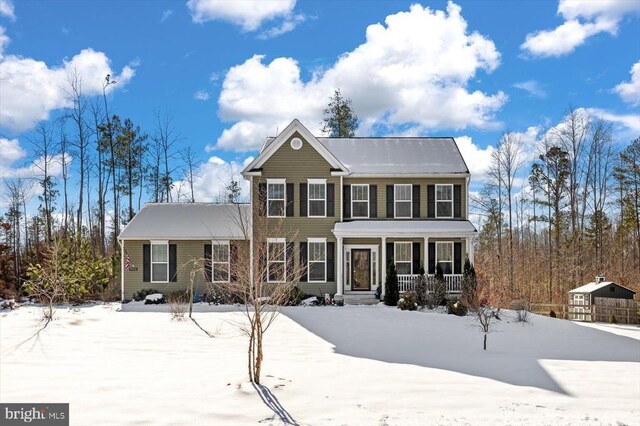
pixel 438 289
pixel 408 301
pixel 296 296
pixel 141 294
pixel 456 307
pixel 154 299
pixel 421 289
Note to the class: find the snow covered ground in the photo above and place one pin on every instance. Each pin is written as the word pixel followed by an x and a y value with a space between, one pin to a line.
pixel 368 365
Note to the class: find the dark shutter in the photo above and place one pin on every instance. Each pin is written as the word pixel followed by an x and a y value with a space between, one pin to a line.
pixel 173 263
pixel 346 201
pixel 146 263
pixel 303 200
pixel 431 201
pixel 262 199
pixel 331 199
pixel 432 258
pixel 331 262
pixel 303 262
pixel 289 210
pixel 389 254
pixel 457 201
pixel 207 263
pixel 373 201
pixel 415 197
pixel 233 262
pixel 263 267
pixel 457 258
pixel 390 197
pixel 290 264
pixel 416 257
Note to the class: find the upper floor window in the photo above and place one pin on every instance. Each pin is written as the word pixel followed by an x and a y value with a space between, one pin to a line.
pixel 317 197
pixel 360 201
pixel 159 261
pixel 276 260
pixel 317 255
pixel 220 262
pixel 403 257
pixel 444 200
pixel 444 256
pixel 403 200
pixel 276 197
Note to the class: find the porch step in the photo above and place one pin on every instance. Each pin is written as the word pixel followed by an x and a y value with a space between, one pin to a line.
pixel 360 299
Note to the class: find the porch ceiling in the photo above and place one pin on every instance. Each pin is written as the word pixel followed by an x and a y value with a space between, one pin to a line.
pixel 404 228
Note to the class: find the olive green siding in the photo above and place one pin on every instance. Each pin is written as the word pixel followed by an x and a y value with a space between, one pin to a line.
pixel 423 182
pixel 186 253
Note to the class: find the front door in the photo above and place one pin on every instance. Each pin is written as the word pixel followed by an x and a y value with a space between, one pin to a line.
pixel 360 269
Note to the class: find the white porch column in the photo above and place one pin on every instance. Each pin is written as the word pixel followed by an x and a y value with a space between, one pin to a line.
pixel 383 263
pixel 339 280
pixel 470 249
pixel 426 255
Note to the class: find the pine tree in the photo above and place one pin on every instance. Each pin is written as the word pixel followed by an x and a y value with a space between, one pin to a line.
pixel 391 295
pixel 469 281
pixel 339 119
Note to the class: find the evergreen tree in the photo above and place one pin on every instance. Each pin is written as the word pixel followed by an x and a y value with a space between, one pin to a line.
pixel 391 295
pixel 469 281
pixel 339 119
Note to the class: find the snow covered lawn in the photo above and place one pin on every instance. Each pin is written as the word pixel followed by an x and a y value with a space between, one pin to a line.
pixel 324 365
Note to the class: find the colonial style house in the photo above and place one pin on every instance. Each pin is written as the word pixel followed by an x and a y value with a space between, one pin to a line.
pixel 354 204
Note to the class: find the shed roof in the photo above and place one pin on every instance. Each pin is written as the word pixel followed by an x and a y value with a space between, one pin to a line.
pixel 188 221
pixel 593 286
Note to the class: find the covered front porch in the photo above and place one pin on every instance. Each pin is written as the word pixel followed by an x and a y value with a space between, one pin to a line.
pixel 365 248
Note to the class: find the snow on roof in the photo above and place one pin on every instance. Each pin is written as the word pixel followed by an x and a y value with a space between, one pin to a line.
pixel 593 286
pixel 188 221
pixel 382 156
pixel 425 228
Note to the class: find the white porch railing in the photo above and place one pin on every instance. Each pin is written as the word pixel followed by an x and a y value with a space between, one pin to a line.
pixel 453 282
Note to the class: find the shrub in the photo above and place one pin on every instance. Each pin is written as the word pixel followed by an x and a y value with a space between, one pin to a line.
pixel 408 301
pixel 612 319
pixel 521 308
pixel 140 295
pixel 295 296
pixel 438 293
pixel 421 289
pixel 392 294
pixel 456 307
pixel 154 301
pixel 178 305
pixel 552 314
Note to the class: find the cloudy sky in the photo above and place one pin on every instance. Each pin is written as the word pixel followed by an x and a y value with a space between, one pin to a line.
pixel 233 73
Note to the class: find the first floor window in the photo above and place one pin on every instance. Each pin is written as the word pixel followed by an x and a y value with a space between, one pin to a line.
pixel 403 258
pixel 359 201
pixel 276 260
pixel 444 256
pixel 220 262
pixel 444 200
pixel 317 260
pixel 160 262
pixel 317 198
pixel 402 197
pixel 275 198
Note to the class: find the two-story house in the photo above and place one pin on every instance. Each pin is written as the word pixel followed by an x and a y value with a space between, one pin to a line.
pixel 346 207
pixel 357 204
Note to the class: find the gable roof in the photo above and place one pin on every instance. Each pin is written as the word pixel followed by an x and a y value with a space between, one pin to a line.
pixel 593 286
pixel 189 221
pixel 397 156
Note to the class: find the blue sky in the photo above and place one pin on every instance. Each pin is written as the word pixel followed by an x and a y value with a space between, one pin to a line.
pixel 469 69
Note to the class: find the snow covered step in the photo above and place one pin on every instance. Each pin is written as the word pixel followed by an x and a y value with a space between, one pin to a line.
pixel 360 299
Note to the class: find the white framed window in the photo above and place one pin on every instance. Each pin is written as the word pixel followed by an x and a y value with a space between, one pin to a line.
pixel 403 200
pixel 159 261
pixel 276 197
pixel 360 201
pixel 276 260
pixel 220 261
pixel 444 200
pixel 317 197
pixel 317 260
pixel 403 257
pixel 578 299
pixel 444 256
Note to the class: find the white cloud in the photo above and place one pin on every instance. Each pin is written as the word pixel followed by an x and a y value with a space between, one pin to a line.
pixel 7 9
pixel 201 95
pixel 248 14
pixel 31 89
pixel 289 24
pixel 4 40
pixel 478 159
pixel 11 153
pixel 412 72
pixel 532 87
pixel 165 15
pixel 630 91
pixel 583 19
pixel 628 125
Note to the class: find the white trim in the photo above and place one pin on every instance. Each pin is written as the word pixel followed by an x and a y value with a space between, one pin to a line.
pixel 282 182
pixel 395 257
pixel 340 268
pixel 410 201
pixel 159 241
pixel 122 270
pixel 453 257
pixel 228 262
pixel 316 241
pixel 284 262
pixel 443 201
pixel 276 240
pixel 361 201
pixel 407 175
pixel 151 262
pixel 341 203
pixel 316 182
pixel 374 267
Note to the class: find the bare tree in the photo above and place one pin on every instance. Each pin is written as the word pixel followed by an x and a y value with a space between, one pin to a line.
pixel 165 138
pixel 191 163
pixel 44 149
